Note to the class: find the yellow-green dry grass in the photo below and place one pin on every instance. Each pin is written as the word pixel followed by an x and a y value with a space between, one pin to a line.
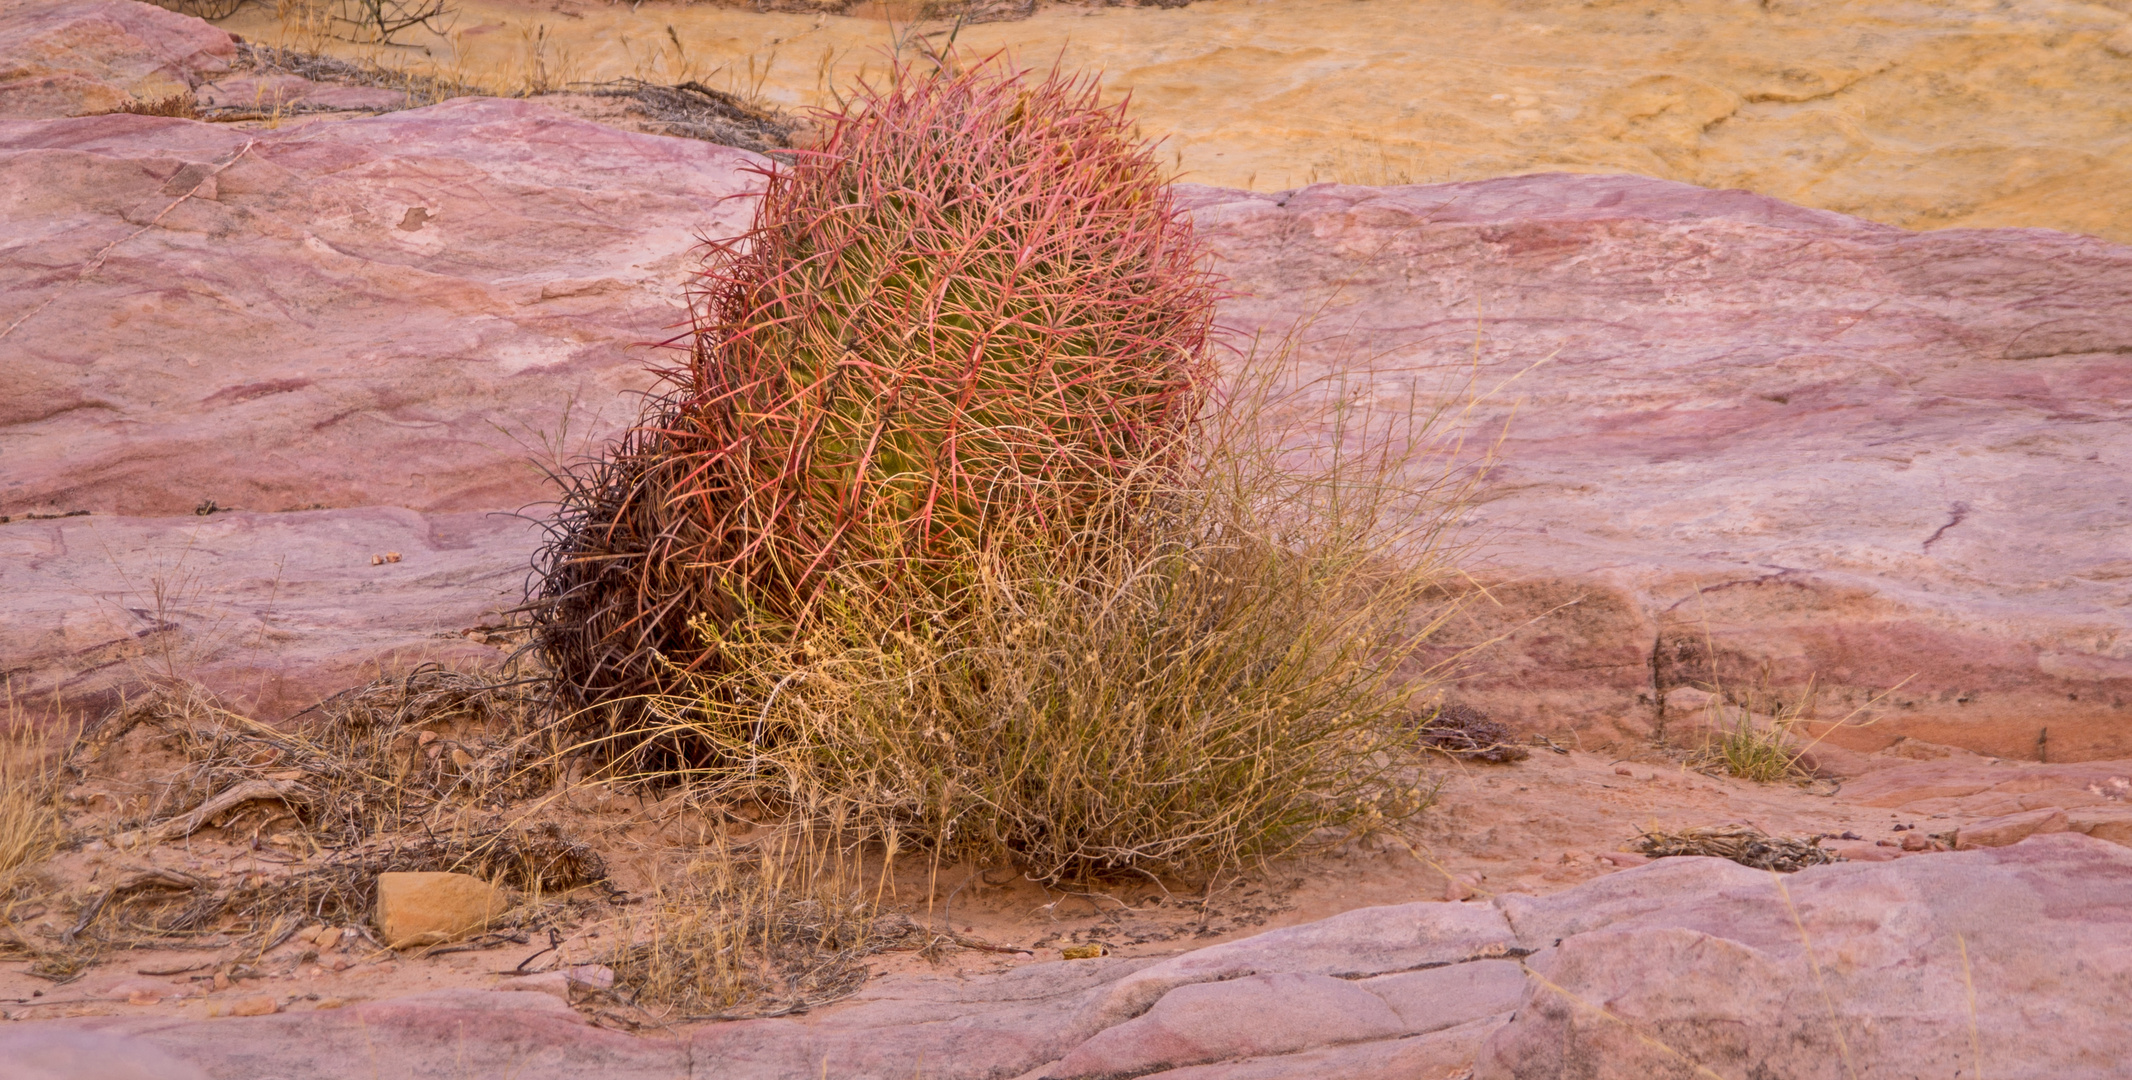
pixel 1775 752
pixel 1763 755
pixel 778 927
pixel 31 825
pixel 1213 670
pixel 1740 746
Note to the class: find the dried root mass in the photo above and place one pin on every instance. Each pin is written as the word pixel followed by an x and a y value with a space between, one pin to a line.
pixel 1743 844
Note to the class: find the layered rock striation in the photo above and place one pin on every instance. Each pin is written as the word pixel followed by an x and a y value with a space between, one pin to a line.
pixel 304 380
pixel 1744 445
pixel 1683 967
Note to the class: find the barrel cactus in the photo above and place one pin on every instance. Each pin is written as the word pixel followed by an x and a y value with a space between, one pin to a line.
pixel 955 324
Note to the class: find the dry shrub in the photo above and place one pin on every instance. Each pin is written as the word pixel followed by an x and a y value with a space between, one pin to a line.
pixel 202 9
pixel 179 105
pixel 421 88
pixel 1463 732
pixel 697 111
pixel 962 11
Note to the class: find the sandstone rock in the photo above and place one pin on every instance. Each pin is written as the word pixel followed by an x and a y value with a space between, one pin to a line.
pixel 1362 942
pixel 1922 115
pixel 1442 1055
pixel 1702 957
pixel 1719 977
pixel 1831 449
pixel 1255 1016
pixel 2011 829
pixel 2111 823
pixel 256 1005
pixel 49 1053
pixel 446 1033
pixel 1968 786
pixel 416 909
pixel 389 317
pixel 1442 997
pixel 94 56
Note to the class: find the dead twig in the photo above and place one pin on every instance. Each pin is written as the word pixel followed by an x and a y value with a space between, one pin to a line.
pixel 179 828
pixel 156 878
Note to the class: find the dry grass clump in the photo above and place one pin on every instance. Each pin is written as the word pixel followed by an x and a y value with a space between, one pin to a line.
pixel 780 927
pixel 1742 745
pixel 31 826
pixel 1189 685
pixel 1765 755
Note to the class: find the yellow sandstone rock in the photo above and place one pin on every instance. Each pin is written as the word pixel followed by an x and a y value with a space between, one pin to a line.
pixel 416 909
pixel 1962 113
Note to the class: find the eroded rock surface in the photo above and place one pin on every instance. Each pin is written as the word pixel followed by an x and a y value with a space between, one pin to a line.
pixel 1850 969
pixel 97 56
pixel 270 361
pixel 1828 450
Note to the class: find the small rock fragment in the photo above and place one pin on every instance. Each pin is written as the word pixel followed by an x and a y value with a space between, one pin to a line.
pixel 2007 829
pixel 432 908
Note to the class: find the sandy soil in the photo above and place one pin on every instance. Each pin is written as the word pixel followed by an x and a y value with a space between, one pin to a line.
pixel 1545 824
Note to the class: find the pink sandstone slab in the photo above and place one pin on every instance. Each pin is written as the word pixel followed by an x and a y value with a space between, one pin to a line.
pixel 1747 444
pixel 94 56
pixel 340 341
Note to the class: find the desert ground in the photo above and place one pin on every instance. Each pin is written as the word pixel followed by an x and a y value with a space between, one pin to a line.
pixel 1773 709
